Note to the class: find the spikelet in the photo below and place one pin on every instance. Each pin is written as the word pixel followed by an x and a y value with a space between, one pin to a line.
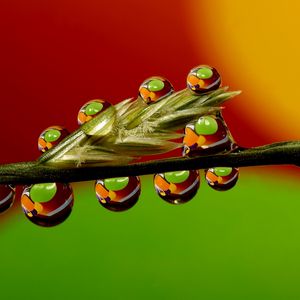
pixel 149 125
pixel 132 129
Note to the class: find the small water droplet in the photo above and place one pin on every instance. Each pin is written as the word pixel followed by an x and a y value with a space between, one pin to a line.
pixel 222 178
pixel 154 89
pixel 51 137
pixel 203 79
pixel 118 194
pixel 91 109
pixel 177 187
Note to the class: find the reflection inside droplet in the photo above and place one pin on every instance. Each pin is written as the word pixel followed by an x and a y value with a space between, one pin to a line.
pixel 222 178
pixel 209 135
pixel 47 204
pixel 118 194
pixel 155 89
pixel 177 187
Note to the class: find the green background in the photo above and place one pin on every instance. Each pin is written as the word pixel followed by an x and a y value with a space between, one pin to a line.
pixel 240 244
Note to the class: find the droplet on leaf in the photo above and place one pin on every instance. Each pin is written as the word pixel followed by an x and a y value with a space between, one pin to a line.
pixel 154 89
pixel 51 136
pixel 91 109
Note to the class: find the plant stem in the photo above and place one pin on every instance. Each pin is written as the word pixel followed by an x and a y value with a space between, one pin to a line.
pixel 283 153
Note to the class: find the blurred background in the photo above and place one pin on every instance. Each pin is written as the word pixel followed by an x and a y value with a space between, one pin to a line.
pixel 240 244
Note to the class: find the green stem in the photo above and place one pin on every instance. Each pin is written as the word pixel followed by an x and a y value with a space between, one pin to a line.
pixel 283 153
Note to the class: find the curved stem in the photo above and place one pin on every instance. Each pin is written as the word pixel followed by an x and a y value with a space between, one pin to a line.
pixel 283 153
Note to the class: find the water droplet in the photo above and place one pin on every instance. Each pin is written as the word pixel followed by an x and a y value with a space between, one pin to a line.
pixel 154 89
pixel 7 197
pixel 203 79
pixel 91 109
pixel 118 194
pixel 47 204
pixel 222 178
pixel 51 137
pixel 177 187
pixel 208 135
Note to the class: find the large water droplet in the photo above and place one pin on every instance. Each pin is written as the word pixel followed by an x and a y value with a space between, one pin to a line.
pixel 208 135
pixel 47 204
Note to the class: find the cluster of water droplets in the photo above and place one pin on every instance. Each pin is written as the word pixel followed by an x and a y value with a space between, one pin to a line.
pixel 49 204
pixel 208 135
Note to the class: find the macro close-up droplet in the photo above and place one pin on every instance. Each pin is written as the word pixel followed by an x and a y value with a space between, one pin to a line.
pixel 177 187
pixel 222 178
pixel 51 136
pixel 203 79
pixel 47 204
pixel 118 194
pixel 91 109
pixel 208 135
pixel 154 89
pixel 7 196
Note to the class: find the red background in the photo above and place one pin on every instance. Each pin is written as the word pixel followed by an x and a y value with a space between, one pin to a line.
pixel 56 56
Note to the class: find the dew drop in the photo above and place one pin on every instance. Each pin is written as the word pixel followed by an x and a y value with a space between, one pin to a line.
pixel 203 79
pixel 208 135
pixel 118 194
pixel 47 204
pixel 154 89
pixel 51 137
pixel 177 187
pixel 222 178
pixel 91 109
